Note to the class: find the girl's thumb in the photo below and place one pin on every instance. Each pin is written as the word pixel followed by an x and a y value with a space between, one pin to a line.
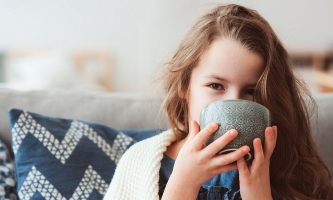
pixel 194 129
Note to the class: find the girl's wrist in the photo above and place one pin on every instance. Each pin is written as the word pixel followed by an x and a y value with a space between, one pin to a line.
pixel 180 189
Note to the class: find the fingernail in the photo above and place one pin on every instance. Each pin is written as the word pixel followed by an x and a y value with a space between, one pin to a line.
pixel 233 132
pixel 246 149
pixel 214 125
pixel 257 141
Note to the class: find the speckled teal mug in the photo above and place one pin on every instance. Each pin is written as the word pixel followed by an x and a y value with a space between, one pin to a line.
pixel 249 118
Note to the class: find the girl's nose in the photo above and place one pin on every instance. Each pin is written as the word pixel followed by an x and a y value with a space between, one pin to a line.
pixel 233 95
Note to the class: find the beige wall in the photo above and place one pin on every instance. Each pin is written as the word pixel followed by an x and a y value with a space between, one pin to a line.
pixel 141 35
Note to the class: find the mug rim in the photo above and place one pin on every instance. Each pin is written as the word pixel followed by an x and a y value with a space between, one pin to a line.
pixel 236 100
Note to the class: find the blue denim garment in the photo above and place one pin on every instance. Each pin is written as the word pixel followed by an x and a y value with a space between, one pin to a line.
pixel 223 186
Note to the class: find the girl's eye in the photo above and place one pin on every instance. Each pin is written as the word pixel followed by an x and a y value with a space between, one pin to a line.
pixel 250 92
pixel 216 86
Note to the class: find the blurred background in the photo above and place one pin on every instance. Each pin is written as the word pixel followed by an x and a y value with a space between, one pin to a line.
pixel 119 46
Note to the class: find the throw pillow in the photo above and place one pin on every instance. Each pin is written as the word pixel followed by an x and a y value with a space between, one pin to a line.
pixel 7 179
pixel 139 135
pixel 63 158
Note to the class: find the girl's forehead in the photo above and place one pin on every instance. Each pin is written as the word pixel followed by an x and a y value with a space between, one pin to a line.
pixel 228 57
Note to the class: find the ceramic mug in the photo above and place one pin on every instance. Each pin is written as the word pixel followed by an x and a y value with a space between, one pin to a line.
pixel 249 118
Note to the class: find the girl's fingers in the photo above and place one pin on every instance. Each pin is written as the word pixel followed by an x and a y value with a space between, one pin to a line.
pixel 226 159
pixel 194 130
pixel 270 141
pixel 220 142
pixel 226 168
pixel 259 156
pixel 243 169
pixel 275 133
pixel 204 134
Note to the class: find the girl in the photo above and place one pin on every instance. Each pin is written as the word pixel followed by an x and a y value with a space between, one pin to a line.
pixel 230 53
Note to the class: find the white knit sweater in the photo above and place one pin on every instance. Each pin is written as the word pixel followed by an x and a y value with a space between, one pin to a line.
pixel 137 174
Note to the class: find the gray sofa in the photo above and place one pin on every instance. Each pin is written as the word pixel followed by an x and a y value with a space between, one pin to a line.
pixel 132 111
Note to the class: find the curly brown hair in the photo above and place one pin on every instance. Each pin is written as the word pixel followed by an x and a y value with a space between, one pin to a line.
pixel 296 170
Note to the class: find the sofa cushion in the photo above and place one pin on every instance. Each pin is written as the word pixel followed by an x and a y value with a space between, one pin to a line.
pixel 65 158
pixel 116 110
pixel 7 179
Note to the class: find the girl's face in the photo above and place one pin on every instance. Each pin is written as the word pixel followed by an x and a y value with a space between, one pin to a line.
pixel 227 70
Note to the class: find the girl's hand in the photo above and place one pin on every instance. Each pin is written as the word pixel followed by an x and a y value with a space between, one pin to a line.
pixel 254 180
pixel 196 164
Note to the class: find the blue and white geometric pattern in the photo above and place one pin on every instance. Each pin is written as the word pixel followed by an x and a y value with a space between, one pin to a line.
pixel 62 150
pixel 37 182
pixel 90 181
pixel 62 158
pixel 7 179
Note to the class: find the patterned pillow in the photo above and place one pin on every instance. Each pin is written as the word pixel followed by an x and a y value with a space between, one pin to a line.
pixel 63 158
pixel 7 179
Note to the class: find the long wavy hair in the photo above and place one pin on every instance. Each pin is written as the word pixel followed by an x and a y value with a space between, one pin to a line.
pixel 296 170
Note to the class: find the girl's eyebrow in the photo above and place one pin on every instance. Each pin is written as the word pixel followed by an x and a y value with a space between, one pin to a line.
pixel 214 76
